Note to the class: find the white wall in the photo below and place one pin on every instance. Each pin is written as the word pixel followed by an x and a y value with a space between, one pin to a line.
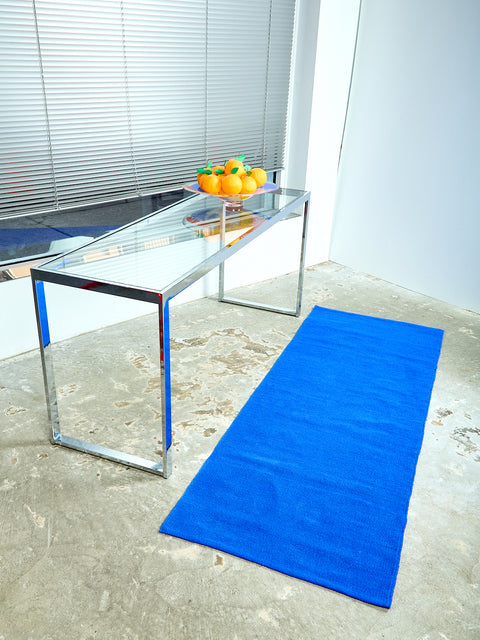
pixel 408 196
pixel 335 52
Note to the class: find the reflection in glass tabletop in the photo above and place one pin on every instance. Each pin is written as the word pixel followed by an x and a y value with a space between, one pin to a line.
pixel 161 251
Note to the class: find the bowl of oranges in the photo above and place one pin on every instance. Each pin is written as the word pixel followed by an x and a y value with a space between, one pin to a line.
pixel 232 182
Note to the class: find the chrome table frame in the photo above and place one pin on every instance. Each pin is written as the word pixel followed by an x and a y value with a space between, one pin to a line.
pixel 161 299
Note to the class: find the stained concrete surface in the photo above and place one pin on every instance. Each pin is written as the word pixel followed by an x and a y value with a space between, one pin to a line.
pixel 80 552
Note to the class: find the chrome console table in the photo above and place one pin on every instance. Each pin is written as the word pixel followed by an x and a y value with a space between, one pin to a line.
pixel 153 259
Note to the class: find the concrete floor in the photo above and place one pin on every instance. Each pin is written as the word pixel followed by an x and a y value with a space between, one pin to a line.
pixel 80 552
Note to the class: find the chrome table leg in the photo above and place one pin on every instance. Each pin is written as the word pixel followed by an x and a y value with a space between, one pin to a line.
pixel 163 468
pixel 267 307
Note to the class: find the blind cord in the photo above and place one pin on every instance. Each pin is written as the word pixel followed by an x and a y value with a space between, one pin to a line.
pixel 45 104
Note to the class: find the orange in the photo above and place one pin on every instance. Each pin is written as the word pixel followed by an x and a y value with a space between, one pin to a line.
pixel 201 175
pixel 231 185
pixel 248 184
pixel 235 164
pixel 259 175
pixel 210 183
pixel 219 167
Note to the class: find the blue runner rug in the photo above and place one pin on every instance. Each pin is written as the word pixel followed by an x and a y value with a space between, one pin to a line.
pixel 314 476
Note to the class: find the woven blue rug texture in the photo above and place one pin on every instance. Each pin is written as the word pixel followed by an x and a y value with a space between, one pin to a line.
pixel 314 476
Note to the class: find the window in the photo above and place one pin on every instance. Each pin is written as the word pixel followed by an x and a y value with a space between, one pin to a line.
pixel 114 99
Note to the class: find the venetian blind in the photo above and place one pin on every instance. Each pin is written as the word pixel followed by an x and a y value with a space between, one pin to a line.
pixel 106 99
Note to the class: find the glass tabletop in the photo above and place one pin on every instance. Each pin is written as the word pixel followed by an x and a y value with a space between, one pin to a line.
pixel 161 251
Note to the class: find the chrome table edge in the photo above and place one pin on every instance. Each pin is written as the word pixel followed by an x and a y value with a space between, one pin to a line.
pixel 127 459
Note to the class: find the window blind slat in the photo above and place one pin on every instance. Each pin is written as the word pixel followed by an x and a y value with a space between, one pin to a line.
pixel 109 98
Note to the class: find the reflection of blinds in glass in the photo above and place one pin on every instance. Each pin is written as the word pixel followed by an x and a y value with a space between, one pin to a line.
pixel 104 99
